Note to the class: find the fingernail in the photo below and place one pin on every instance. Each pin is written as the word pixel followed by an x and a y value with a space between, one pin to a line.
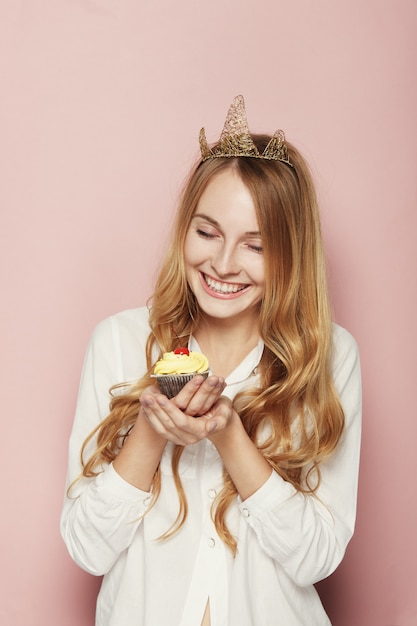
pixel 211 426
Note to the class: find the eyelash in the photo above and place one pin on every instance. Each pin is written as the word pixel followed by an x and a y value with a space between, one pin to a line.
pixel 206 235
pixel 203 233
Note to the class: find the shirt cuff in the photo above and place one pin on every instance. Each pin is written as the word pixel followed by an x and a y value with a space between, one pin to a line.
pixel 274 492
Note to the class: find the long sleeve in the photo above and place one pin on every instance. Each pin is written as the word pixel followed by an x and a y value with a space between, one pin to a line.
pixel 308 535
pixel 100 515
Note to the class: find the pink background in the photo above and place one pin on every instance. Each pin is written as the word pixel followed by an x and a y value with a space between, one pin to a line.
pixel 101 104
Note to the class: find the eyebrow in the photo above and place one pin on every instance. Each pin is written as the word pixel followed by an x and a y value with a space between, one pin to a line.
pixel 252 233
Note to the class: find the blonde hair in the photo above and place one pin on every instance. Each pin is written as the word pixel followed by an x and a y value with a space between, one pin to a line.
pixel 296 404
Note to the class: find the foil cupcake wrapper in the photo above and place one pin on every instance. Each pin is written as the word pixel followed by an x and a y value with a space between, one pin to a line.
pixel 170 385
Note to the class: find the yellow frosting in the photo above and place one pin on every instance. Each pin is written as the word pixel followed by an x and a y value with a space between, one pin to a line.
pixel 172 363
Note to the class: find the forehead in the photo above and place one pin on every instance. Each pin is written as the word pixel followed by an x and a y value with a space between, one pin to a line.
pixel 227 200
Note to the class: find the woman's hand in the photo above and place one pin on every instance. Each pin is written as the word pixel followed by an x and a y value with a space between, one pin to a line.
pixel 199 395
pixel 192 414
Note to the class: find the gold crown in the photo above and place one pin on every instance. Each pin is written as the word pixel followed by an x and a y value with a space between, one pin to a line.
pixel 236 140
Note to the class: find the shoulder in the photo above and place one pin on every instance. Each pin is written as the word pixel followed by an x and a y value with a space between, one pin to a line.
pixel 128 325
pixel 118 343
pixel 346 366
pixel 343 341
pixel 345 348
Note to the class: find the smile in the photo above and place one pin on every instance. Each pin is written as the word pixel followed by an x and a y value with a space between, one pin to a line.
pixel 221 287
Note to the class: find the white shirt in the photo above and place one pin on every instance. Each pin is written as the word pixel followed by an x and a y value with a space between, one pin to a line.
pixel 286 541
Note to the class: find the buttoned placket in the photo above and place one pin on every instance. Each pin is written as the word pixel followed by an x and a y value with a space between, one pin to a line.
pixel 210 577
pixel 211 547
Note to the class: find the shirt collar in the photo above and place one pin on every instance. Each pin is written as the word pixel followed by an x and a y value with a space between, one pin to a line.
pixel 245 369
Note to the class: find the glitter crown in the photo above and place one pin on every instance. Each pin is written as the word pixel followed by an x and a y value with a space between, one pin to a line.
pixel 236 140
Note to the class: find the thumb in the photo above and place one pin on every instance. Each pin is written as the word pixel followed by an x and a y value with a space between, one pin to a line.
pixel 211 425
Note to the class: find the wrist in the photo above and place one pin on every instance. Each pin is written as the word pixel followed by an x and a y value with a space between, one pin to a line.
pixel 140 455
pixel 144 431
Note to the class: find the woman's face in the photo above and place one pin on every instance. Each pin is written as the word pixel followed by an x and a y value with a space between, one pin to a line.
pixel 223 254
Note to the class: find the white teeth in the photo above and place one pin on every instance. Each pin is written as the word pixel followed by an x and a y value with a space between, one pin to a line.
pixel 223 287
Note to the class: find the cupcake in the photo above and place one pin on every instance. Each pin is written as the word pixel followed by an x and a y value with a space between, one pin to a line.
pixel 176 368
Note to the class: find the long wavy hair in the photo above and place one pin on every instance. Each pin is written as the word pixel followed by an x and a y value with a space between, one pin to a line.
pixel 294 415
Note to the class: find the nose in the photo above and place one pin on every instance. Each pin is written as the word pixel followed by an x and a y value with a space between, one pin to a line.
pixel 225 262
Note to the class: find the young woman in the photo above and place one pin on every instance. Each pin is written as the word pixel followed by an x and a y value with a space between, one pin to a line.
pixel 225 504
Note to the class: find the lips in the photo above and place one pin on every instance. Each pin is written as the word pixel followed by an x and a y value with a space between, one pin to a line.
pixel 221 287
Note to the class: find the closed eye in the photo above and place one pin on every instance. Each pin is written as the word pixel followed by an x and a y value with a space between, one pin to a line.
pixel 257 249
pixel 205 234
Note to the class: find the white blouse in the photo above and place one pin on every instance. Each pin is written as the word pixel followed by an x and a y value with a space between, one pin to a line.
pixel 286 541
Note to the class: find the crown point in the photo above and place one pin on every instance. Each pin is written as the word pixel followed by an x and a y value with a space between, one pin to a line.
pixel 206 153
pixel 236 123
pixel 277 148
pixel 236 140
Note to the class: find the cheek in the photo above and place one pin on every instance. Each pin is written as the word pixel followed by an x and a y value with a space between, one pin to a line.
pixel 195 251
pixel 189 251
pixel 258 273
pixel 192 257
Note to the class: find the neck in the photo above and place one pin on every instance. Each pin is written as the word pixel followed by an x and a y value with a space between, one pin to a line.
pixel 226 343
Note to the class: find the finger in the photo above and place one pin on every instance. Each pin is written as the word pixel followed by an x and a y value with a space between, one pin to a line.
pixel 209 392
pixel 176 426
pixel 150 411
pixel 160 429
pixel 183 398
pixel 219 416
pixel 211 426
pixel 149 392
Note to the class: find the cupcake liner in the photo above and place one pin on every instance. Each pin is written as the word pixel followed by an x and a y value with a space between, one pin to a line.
pixel 171 384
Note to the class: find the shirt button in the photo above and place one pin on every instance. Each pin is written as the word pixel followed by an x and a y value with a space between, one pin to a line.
pixel 146 501
pixel 246 512
pixel 211 542
pixel 212 493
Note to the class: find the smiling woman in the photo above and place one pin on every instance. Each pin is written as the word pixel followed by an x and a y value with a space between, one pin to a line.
pixel 232 498
pixel 223 257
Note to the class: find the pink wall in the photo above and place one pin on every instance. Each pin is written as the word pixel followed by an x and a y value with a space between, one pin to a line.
pixel 93 92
